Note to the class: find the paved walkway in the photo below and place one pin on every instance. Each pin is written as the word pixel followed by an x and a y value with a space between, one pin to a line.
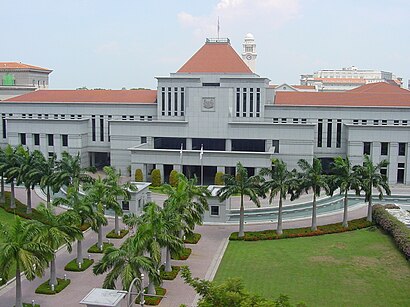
pixel 203 261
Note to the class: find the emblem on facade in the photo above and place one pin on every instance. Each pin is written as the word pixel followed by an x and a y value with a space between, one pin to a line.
pixel 208 103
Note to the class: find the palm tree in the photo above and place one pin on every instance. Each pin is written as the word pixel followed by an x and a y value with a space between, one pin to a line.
pixel 243 185
pixel 116 191
pixel 280 181
pixel 346 177
pixel 71 167
pixel 52 180
pixel 312 179
pixel 56 231
pixel 2 171
pixel 17 249
pixel 97 194
pixel 126 262
pixel 83 210
pixel 156 230
pixel 11 170
pixel 370 177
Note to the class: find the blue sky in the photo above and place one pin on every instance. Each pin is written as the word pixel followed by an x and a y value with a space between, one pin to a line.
pixel 115 44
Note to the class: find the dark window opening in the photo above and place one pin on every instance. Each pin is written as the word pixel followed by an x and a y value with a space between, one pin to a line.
pixel 339 133
pixel 214 211
pixel 93 128
pixel 258 102
pixel 182 101
pixel 65 139
pixel 366 148
pixel 101 128
pixel 163 101
pixel 169 101
pixel 211 84
pixel 319 133
pixel 329 133
pixel 36 137
pixel 50 139
pixel 244 102
pixel 400 175
pixel 238 102
pixel 402 149
pixel 22 138
pixel 384 150
pixel 209 144
pixel 3 122
pixel 143 139
pixel 176 101
pixel 275 145
pixel 248 145
pixel 169 143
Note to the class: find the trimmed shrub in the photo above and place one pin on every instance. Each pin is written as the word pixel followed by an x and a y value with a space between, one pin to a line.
pixel 169 275
pixel 192 238
pixel 183 255
pixel 72 266
pixel 139 176
pixel 219 180
pixel 173 178
pixel 45 288
pixel 301 232
pixel 156 178
pixel 399 231
pixel 152 300
pixel 113 235
pixel 95 250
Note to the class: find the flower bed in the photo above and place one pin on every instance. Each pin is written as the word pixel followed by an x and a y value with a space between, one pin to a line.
pixel 399 231
pixel 182 255
pixel 153 300
pixel 113 235
pixel 169 275
pixel 301 232
pixel 45 288
pixel 72 266
pixel 192 238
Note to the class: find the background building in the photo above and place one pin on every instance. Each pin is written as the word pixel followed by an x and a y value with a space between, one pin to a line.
pixel 18 78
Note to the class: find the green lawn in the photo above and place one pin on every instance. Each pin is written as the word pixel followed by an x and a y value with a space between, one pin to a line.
pixel 6 218
pixel 357 268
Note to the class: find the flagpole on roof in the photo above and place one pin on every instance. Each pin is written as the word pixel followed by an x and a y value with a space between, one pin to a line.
pixel 201 153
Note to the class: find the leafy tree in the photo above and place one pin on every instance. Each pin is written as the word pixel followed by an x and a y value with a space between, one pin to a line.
pixel 126 262
pixel 19 250
pixel 229 293
pixel 173 178
pixel 52 180
pixel 56 231
pixel 10 170
pixel 281 182
pixel 219 178
pixel 139 176
pixel 243 185
pixel 370 177
pixel 346 178
pixel 156 178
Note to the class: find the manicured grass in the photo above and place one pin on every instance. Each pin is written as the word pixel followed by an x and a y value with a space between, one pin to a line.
pixel 356 268
pixel 192 238
pixel 183 255
pixel 153 300
pixel 45 288
pixel 95 250
pixel 20 209
pixel 30 305
pixel 73 265
pixel 113 235
pixel 170 275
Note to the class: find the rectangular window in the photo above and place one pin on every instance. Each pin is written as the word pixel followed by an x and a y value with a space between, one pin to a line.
pixel 125 205
pixel 62 116
pixel 339 133
pixel 295 120
pixel 258 102
pixel 39 116
pixel 50 138
pixel 376 122
pixel 304 120
pixel 238 102
pixel 402 149
pixel 3 123
pixel 55 116
pixel 72 116
pixel 214 211
pixel 163 101
pixel 109 128
pixel 355 122
pixel 176 101
pixel 149 118
pixel 384 122
pixel 404 122
pixel 276 120
pixel 251 102
pixel 211 84
pixel 396 122
pixel 400 176
pixel 143 139
pixel 93 128
pixel 364 122
pixel 275 145
pixel 169 101
pixel 329 133
pixel 244 102
pixel 36 138
pixel 284 120
pixel 319 132
pixel 101 128
pixel 384 149
pixel 64 138
pixel 50 155
pixel 22 138
pixel 182 101
pixel 132 117
pixel 142 118
pixel 366 148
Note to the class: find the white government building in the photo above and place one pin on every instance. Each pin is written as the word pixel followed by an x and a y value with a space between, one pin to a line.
pixel 218 102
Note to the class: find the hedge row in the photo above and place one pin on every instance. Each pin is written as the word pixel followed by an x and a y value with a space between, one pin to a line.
pixel 399 231
pixel 301 232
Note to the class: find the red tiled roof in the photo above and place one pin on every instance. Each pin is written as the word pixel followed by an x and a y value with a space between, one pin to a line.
pixel 305 87
pixel 20 66
pixel 94 96
pixel 370 95
pixel 215 58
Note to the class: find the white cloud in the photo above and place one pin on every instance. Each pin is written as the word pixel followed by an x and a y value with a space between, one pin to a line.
pixel 241 15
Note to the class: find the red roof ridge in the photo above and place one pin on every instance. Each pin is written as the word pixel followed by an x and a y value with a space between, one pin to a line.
pixel 19 65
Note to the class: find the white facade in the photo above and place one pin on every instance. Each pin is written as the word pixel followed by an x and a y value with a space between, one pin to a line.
pixel 249 52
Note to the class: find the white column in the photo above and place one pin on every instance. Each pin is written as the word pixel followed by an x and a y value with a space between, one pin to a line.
pixel 393 153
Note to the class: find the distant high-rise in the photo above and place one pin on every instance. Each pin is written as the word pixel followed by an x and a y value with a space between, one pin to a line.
pixel 347 78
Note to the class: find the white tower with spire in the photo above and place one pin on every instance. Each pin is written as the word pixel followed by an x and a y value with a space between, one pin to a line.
pixel 249 51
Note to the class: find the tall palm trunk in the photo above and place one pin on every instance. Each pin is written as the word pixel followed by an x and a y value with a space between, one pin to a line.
pixel 18 286
pixel 345 224
pixel 241 219
pixel 314 224
pixel 151 287
pixel 12 197
pixel 3 194
pixel 48 197
pixel 116 224
pixel 279 227
pixel 369 207
pixel 79 251
pixel 29 201
pixel 100 237
pixel 168 267
pixel 53 276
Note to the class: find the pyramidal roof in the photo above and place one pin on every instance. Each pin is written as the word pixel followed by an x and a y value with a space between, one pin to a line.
pixel 216 56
